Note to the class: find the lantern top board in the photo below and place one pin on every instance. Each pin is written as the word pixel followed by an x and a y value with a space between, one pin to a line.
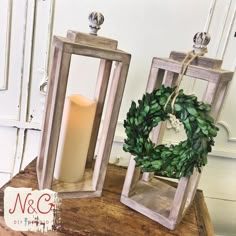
pixel 105 49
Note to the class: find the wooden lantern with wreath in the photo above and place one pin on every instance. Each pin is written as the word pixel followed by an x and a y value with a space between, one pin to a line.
pixel 164 100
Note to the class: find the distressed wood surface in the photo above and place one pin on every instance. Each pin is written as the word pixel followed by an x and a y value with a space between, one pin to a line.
pixel 63 50
pixel 91 51
pixel 52 119
pixel 88 39
pixel 106 215
pixel 85 185
pixel 208 74
pixel 99 95
pixel 200 61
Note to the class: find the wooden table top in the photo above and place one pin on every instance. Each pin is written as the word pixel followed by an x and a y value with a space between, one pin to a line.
pixel 107 215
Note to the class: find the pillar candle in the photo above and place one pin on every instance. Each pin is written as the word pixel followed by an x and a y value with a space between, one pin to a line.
pixel 76 128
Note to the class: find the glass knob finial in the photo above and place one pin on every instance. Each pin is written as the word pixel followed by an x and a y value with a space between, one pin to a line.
pixel 201 40
pixel 96 19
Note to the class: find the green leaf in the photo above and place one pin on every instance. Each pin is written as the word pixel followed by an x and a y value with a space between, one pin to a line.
pixel 213 132
pixel 200 121
pixel 192 111
pixel 209 118
pixel 142 113
pixel 192 118
pixel 162 101
pixel 177 107
pixel 146 109
pixel 156 121
pixel 158 92
pixel 196 145
pixel 208 107
pixel 205 131
pixel 126 148
pixel 183 115
pixel 155 107
pixel 131 120
pixel 157 164
pixel 133 105
pixel 187 124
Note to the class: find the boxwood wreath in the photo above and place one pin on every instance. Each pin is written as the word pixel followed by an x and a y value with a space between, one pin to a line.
pixel 174 160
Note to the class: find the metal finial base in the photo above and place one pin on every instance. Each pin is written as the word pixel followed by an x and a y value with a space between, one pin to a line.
pixel 96 19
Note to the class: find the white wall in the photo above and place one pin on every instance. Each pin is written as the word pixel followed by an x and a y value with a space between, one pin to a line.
pixel 143 29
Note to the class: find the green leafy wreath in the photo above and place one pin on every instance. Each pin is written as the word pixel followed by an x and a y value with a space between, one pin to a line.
pixel 175 160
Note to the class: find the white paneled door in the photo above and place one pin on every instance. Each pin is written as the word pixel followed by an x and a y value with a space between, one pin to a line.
pixel 222 28
pixel 25 26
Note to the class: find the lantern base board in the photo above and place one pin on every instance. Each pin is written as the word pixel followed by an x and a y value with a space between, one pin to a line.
pixel 84 185
pixel 76 190
pixel 83 194
pixel 153 199
pixel 148 212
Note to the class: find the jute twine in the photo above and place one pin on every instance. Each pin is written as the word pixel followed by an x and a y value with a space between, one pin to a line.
pixel 190 56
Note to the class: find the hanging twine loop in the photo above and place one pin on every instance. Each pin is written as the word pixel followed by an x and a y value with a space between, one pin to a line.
pixel 190 56
pixel 201 40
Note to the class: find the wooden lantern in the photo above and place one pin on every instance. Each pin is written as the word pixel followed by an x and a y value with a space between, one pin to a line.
pixel 142 191
pixel 105 49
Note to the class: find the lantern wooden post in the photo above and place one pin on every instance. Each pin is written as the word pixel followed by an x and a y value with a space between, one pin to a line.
pixel 90 46
pixel 151 196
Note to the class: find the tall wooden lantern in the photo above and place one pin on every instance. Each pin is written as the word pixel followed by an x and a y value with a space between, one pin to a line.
pixel 81 116
pixel 142 191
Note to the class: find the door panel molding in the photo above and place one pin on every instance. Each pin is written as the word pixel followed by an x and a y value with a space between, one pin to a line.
pixel 227 118
pixel 27 55
pixel 5 38
pixel 228 34
pixel 227 129
pixel 210 15
pixel 36 10
pixel 20 124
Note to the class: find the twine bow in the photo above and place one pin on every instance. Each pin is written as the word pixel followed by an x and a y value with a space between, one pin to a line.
pixel 190 56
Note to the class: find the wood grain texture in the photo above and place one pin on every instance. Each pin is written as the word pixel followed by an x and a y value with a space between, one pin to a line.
pixel 132 179
pixel 53 116
pixel 200 61
pixel 180 199
pixel 100 95
pixel 106 215
pixel 63 50
pixel 84 185
pixel 91 51
pixel 91 40
pixel 193 71
pixel 110 121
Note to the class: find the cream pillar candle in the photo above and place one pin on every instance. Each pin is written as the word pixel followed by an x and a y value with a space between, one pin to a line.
pixel 76 129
